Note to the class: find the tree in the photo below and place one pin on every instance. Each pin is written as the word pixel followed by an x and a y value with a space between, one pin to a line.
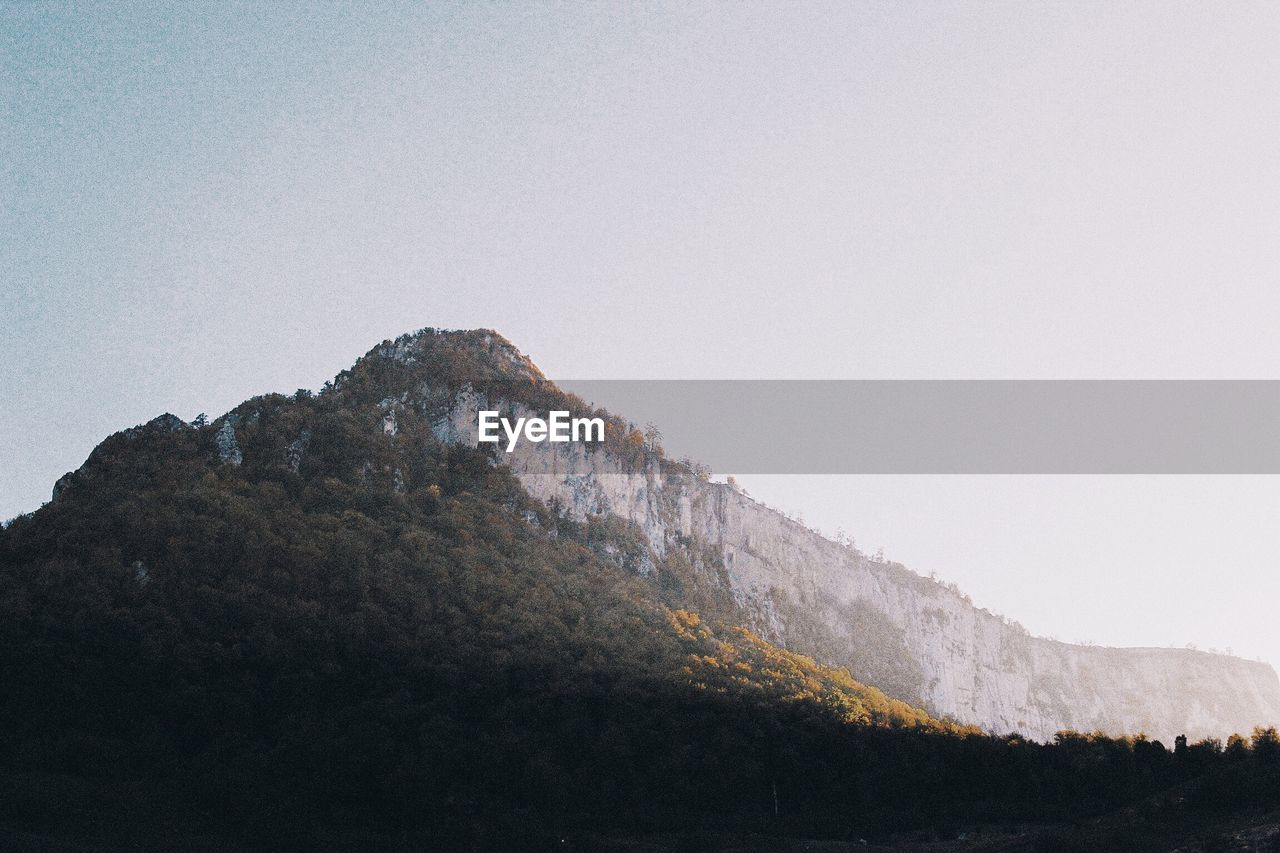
pixel 652 437
pixel 1266 743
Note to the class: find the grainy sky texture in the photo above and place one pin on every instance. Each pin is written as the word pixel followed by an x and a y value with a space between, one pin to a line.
pixel 204 201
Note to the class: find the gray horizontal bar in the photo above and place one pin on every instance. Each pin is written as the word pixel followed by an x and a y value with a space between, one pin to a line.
pixel 957 427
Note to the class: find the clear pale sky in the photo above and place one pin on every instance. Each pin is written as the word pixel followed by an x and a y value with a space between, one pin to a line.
pixel 202 202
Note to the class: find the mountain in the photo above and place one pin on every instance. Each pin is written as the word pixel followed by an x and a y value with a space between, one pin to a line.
pixel 330 621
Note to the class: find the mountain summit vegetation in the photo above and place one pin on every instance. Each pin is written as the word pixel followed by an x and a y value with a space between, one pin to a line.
pixel 311 624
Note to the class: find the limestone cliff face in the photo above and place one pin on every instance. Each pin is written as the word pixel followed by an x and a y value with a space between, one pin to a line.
pixel 909 635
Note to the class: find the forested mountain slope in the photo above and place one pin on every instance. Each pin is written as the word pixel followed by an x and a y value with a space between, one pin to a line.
pixel 313 623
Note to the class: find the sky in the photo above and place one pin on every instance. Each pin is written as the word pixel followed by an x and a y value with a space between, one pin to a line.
pixel 204 202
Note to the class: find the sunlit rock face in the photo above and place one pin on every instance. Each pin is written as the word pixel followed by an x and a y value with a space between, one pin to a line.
pixel 911 636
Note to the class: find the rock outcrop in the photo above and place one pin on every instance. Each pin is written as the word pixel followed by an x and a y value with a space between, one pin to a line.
pixel 228 448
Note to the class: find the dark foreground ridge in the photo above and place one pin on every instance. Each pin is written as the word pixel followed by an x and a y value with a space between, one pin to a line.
pixel 311 624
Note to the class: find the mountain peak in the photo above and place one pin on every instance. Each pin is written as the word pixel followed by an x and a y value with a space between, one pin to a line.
pixel 464 347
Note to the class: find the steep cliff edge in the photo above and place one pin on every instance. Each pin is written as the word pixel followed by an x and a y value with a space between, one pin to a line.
pixel 913 637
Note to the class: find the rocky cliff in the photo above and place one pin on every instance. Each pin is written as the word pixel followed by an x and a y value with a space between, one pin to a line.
pixel 913 637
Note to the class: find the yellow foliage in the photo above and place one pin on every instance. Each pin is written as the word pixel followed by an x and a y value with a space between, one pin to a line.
pixel 731 658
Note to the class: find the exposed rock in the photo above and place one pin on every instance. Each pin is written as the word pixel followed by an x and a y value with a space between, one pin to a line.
pixel 164 423
pixel 403 349
pixel 228 450
pixel 297 449
pixel 167 423
pixel 66 481
pixel 389 406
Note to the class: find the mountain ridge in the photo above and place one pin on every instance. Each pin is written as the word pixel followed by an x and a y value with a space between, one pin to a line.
pixel 909 635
